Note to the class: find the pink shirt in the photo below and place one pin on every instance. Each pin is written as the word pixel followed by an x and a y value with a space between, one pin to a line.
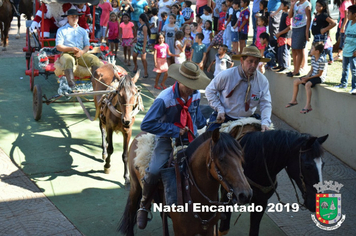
pixel 161 50
pixel 342 9
pixel 113 30
pixel 260 30
pixel 127 30
pixel 105 14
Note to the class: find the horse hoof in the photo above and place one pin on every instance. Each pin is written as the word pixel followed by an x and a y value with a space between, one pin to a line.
pixel 106 170
pixel 17 36
pixel 223 233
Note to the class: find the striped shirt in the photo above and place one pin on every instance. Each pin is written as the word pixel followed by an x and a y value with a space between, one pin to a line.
pixel 320 64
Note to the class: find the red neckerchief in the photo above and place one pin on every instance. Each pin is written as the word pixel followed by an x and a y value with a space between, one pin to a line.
pixel 185 118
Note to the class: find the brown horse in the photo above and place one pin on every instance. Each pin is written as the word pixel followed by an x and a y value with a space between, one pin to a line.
pixel 5 18
pixel 116 111
pixel 25 7
pixel 216 161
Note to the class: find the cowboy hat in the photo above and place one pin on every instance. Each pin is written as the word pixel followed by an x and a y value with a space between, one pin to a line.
pixel 251 51
pixel 189 74
pixel 72 12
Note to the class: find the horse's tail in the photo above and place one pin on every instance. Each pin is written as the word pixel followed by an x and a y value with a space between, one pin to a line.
pixel 128 219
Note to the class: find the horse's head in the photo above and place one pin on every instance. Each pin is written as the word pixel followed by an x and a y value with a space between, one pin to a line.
pixel 225 165
pixel 306 170
pixel 128 99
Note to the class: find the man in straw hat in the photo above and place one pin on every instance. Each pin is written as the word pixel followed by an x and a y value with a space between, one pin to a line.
pixel 175 112
pixel 236 92
pixel 73 41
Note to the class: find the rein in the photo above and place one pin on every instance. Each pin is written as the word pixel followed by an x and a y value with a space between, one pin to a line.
pixel 273 184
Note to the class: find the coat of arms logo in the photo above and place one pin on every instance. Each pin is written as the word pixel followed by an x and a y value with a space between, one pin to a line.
pixel 328 206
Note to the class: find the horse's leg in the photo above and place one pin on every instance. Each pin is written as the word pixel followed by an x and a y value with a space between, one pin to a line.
pixel 256 217
pixel 127 137
pixel 110 149
pixel 18 27
pixel 103 140
pixel 225 221
pixel 6 35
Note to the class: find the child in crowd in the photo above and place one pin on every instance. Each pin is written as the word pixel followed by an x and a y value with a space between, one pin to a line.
pixel 83 19
pixel 143 32
pixel 180 47
pixel 164 17
pixel 261 28
pixel 97 21
pixel 187 40
pixel 227 32
pixel 322 22
pixel 125 7
pixel 222 15
pixel 160 59
pixel 207 32
pixel 193 30
pixel 200 24
pixel 170 31
pixel 221 61
pixel 115 7
pixel 153 26
pixel 349 52
pixel 284 38
pixel 263 39
pixel 126 33
pixel 316 75
pixel 340 34
pixel 234 29
pixel 243 23
pixel 263 9
pixel 199 51
pixel 113 37
pixel 104 18
pixel 207 15
pixel 270 52
pixel 300 11
pixel 187 12
pixel 179 18
pixel 328 50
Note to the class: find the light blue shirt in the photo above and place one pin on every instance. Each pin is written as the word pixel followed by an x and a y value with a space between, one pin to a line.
pixel 179 21
pixel 139 8
pixel 273 5
pixel 72 37
pixel 256 6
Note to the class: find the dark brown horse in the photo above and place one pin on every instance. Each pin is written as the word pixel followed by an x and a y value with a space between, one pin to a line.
pixel 5 21
pixel 216 161
pixel 116 111
pixel 25 7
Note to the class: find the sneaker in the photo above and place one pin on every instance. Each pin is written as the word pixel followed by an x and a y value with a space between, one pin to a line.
pixel 276 68
pixel 282 70
pixel 341 86
pixel 353 91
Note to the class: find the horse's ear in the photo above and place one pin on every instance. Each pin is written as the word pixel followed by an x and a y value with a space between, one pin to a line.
pixel 322 139
pixel 310 142
pixel 216 135
pixel 137 75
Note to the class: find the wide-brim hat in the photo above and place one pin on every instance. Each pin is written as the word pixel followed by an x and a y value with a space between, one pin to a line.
pixel 189 74
pixel 251 51
pixel 71 12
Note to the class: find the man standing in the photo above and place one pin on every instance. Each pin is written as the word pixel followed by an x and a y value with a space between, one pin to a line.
pixel 73 41
pixel 175 112
pixel 236 92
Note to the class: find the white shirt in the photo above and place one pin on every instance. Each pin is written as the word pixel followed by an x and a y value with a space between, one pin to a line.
pixel 234 106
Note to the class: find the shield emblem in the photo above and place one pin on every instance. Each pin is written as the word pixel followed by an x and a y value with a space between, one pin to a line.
pixel 328 208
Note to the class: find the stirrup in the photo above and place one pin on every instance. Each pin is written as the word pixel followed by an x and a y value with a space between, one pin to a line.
pixel 148 211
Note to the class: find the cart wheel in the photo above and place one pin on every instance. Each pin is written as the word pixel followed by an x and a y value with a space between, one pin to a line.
pixel 32 76
pixel 37 102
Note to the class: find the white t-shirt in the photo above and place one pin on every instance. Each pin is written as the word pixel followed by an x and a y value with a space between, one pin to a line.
pixel 206 33
pixel 154 21
pixel 181 58
pixel 163 8
pixel 206 17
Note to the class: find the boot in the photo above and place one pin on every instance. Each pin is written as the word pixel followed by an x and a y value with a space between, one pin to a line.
pixel 145 205
pixel 70 78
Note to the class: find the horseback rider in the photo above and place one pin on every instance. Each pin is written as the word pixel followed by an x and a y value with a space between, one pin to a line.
pixel 73 41
pixel 236 92
pixel 175 112
pixel 15 4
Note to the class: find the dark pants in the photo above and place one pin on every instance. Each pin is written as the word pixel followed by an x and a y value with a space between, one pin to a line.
pixel 273 25
pixel 283 56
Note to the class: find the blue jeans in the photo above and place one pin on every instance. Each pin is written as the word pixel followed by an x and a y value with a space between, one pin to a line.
pixel 160 157
pixel 227 37
pixel 254 27
pixel 346 63
pixel 283 56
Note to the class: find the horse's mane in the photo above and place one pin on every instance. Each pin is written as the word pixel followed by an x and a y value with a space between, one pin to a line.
pixel 226 146
pixel 276 146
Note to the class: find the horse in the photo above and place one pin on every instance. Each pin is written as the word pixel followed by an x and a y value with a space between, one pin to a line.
pixel 5 18
pixel 266 154
pixel 116 111
pixel 25 7
pixel 214 161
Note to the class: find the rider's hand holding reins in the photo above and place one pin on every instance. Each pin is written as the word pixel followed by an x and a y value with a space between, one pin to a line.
pixel 220 118
pixel 183 131
pixel 264 128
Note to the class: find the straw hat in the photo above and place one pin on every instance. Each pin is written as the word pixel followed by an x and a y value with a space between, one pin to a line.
pixel 189 74
pixel 72 12
pixel 251 51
